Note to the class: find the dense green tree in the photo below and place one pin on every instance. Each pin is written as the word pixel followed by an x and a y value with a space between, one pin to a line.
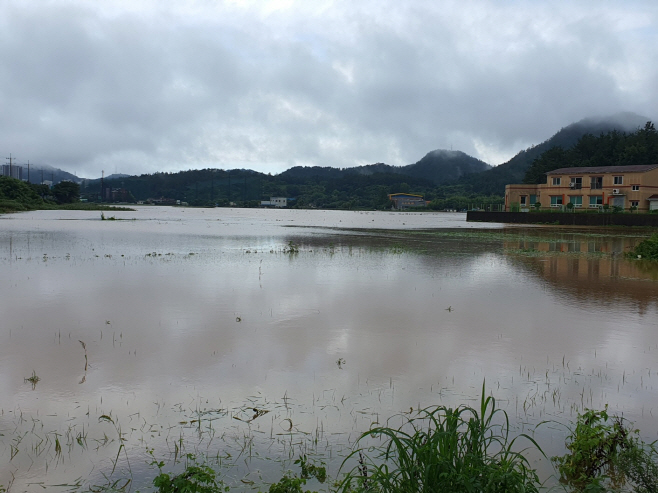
pixel 16 195
pixel 610 149
pixel 552 159
pixel 66 192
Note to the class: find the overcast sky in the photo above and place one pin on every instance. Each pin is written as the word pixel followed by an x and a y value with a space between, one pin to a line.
pixel 139 86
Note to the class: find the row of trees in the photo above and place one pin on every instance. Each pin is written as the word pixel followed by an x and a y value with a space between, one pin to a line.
pixel 247 188
pixel 16 195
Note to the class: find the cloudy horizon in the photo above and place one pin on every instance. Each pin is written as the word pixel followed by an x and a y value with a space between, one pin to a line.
pixel 155 85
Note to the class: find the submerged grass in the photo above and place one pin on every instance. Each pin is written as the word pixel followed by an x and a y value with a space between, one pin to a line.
pixel 444 449
pixel 436 449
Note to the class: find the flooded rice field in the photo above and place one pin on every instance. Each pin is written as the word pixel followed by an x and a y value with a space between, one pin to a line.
pixel 251 337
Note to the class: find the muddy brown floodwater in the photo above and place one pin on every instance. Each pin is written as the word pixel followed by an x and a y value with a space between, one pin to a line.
pixel 250 337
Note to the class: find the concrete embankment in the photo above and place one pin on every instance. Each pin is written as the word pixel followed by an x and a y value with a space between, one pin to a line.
pixel 565 218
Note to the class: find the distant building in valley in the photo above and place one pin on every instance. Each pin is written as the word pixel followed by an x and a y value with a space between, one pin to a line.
pixel 277 202
pixel 590 188
pixel 406 200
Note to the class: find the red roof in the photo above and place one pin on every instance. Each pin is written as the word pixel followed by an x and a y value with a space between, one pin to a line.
pixel 653 197
pixel 637 168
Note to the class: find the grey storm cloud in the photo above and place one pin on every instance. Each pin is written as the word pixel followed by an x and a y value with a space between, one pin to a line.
pixel 147 86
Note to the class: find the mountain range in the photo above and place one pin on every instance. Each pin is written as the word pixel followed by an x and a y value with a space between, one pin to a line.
pixel 443 167
pixel 439 166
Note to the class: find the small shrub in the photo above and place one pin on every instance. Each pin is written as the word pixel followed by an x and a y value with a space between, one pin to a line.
pixel 604 453
pixel 647 249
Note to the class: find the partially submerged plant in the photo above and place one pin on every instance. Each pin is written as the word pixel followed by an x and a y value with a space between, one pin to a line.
pixel 293 483
pixel 197 478
pixel 111 218
pixel 34 379
pixel 445 449
pixel 291 248
pixel 604 453
pixel 647 249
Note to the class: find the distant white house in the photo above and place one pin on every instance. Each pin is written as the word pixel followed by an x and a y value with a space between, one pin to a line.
pixel 275 202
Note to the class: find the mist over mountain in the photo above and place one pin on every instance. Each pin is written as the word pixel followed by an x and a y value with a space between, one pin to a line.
pixel 494 180
pixel 43 173
pixel 437 168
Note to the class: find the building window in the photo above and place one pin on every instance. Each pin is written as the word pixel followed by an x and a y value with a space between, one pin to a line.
pixel 533 199
pixel 576 183
pixel 576 200
pixel 523 199
pixel 596 183
pixel 618 180
pixel 557 181
pixel 556 200
pixel 635 188
pixel 635 203
pixel 595 200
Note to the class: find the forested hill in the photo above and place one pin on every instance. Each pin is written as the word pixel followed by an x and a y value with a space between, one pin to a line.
pixel 494 180
pixel 440 167
pixel 610 149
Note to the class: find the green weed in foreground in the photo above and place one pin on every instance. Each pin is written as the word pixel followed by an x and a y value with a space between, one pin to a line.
pixel 605 455
pixel 445 449
pixel 197 478
pixel 293 484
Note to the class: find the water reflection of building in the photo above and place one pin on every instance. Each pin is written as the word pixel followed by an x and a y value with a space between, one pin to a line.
pixel 590 270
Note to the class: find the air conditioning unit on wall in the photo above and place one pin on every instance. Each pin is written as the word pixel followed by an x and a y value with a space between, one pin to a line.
pixel 615 191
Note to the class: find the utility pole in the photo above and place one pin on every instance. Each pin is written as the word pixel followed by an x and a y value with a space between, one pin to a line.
pixel 10 159
pixel 102 185
pixel 212 186
pixel 229 187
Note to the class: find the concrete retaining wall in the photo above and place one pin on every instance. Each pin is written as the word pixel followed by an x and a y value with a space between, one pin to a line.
pixel 565 218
